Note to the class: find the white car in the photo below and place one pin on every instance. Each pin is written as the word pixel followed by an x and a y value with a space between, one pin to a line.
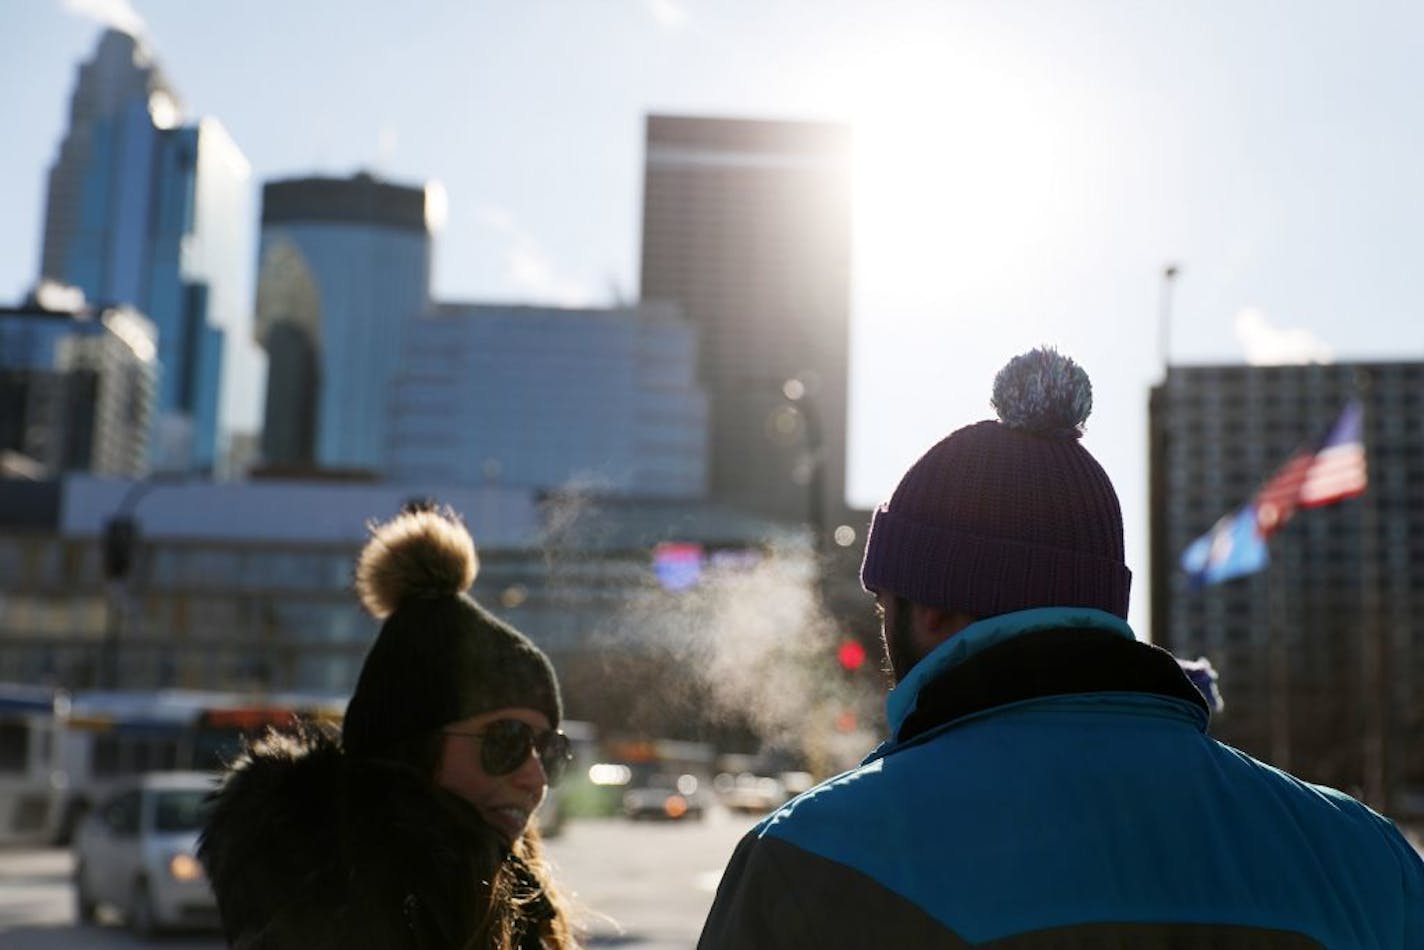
pixel 750 794
pixel 136 851
pixel 666 797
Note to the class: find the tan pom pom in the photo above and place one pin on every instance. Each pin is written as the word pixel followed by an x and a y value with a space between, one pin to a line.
pixel 422 553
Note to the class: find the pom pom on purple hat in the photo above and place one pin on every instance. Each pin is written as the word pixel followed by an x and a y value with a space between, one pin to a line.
pixel 1007 514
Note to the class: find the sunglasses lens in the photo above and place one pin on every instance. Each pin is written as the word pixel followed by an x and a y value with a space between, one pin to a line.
pixel 555 753
pixel 507 745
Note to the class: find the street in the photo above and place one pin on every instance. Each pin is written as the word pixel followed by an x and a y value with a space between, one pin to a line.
pixel 639 885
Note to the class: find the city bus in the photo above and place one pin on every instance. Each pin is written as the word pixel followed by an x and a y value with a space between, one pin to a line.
pixel 30 792
pixel 60 751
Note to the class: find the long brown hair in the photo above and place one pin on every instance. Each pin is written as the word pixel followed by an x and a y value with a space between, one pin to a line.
pixel 514 907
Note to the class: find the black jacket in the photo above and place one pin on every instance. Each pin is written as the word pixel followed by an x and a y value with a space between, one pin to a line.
pixel 308 847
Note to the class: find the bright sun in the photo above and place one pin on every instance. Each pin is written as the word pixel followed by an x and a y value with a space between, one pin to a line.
pixel 961 161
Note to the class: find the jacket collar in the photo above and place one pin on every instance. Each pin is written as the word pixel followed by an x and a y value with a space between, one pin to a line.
pixel 1030 654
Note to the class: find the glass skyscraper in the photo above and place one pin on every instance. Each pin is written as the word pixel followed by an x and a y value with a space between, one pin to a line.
pixel 546 398
pixel 147 212
pixel 76 389
pixel 344 268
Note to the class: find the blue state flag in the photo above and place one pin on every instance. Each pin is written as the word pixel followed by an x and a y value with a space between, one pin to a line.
pixel 1233 547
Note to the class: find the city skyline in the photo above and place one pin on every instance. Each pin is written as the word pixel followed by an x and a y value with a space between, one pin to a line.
pixel 146 208
pixel 1024 173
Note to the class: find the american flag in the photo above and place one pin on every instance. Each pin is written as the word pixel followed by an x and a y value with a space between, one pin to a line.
pixel 1328 471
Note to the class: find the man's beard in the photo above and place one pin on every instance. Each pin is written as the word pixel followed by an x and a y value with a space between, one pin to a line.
pixel 899 652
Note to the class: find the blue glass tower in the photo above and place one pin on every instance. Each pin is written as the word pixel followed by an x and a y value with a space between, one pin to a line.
pixel 550 398
pixel 145 212
pixel 345 268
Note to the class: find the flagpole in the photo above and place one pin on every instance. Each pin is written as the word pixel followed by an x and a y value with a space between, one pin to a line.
pixel 1376 689
pixel 1278 669
pixel 1164 317
pixel 1321 473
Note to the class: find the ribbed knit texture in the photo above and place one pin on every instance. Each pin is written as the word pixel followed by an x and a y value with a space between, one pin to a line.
pixel 992 520
pixel 438 660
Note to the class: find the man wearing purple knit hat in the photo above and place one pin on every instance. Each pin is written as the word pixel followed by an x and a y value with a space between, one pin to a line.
pixel 1048 779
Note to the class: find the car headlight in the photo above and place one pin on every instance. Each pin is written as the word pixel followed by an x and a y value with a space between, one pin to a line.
pixel 184 867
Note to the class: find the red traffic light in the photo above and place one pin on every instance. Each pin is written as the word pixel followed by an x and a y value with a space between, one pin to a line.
pixel 851 655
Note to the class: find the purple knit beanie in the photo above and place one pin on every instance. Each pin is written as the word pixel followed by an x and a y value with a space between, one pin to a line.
pixel 1010 514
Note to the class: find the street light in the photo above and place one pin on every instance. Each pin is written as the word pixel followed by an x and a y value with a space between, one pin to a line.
pixel 1164 317
pixel 796 392
pixel 120 540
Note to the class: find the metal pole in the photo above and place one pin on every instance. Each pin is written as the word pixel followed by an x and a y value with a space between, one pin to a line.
pixel 816 483
pixel 120 543
pixel 1375 681
pixel 106 672
pixel 1278 664
pixel 120 540
pixel 1164 321
pixel 800 395
pixel 1374 678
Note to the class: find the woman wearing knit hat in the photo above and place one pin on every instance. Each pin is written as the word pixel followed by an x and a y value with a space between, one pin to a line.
pixel 412 828
pixel 1048 779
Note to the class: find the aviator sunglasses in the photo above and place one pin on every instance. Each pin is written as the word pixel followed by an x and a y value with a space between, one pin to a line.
pixel 505 745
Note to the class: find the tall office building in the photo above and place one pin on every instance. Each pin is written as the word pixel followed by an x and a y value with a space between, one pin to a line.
pixel 76 390
pixel 544 398
pixel 146 212
pixel 746 226
pixel 1321 655
pixel 344 269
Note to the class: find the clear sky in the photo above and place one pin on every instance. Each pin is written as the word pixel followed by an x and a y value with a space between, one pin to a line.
pixel 1025 168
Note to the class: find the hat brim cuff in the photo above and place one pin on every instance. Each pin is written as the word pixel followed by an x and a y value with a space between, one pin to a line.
pixel 943 567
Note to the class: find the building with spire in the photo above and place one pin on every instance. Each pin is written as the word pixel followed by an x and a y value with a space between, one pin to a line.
pixel 147 211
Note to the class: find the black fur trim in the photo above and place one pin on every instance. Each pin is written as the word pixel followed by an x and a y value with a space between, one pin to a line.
pixel 307 846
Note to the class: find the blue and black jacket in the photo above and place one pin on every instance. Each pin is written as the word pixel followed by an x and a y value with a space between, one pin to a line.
pixel 1049 781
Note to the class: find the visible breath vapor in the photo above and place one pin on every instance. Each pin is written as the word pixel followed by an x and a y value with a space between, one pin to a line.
pixel 748 645
pixel 565 512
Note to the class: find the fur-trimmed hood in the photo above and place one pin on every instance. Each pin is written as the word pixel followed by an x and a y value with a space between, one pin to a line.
pixel 309 847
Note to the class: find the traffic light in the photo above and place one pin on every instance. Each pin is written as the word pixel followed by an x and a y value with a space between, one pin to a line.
pixel 120 538
pixel 850 655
